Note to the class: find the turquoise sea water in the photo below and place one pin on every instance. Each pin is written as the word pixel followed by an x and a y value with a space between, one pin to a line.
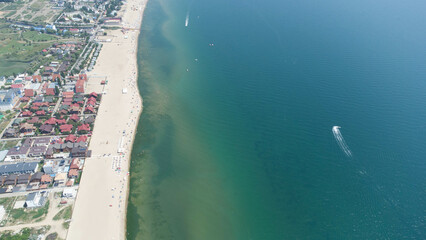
pixel 235 140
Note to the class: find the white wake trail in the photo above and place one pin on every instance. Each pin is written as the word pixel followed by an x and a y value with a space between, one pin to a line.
pixel 341 141
pixel 187 19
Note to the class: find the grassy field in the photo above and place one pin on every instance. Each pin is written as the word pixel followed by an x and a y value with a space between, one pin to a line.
pixel 23 215
pixel 18 49
pixel 36 11
pixel 63 214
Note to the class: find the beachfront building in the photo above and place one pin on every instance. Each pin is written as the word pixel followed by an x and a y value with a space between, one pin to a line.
pixel 35 199
pixel 69 193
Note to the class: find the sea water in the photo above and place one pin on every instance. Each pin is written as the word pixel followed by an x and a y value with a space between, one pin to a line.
pixel 235 140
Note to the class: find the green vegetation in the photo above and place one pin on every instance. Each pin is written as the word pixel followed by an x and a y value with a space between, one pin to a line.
pixel 25 234
pixel 6 120
pixel 66 225
pixel 22 50
pixel 4 145
pixel 28 215
pixel 7 202
pixel 63 214
pixel 35 11
pixel 34 36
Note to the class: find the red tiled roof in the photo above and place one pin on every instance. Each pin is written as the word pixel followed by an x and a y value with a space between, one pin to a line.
pixel 66 128
pixel 73 173
pixel 50 91
pixel 70 138
pixel 46 178
pixel 82 138
pixel 33 120
pixel 90 109
pixel 75 164
pixel 41 113
pixel 75 117
pixel 36 78
pixel 61 121
pixel 25 99
pixel 84 127
pixel 17 85
pixel 50 121
pixel 27 114
pixel 29 93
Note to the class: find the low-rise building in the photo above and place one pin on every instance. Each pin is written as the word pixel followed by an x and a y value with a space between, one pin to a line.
pixel 18 168
pixel 69 193
pixel 35 199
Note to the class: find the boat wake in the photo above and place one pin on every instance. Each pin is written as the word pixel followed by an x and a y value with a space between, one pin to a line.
pixel 341 141
pixel 187 20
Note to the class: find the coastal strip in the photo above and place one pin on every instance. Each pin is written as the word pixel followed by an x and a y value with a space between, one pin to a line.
pixel 100 208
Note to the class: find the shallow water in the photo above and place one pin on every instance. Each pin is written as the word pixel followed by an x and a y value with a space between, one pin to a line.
pixel 236 142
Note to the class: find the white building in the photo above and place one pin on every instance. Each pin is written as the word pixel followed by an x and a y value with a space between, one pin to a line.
pixel 69 193
pixel 34 200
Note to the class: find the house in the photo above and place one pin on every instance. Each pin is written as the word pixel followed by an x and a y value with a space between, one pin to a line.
pixel 17 153
pixel 82 77
pixel 79 86
pixel 75 164
pixel 70 138
pixel 74 109
pixel 10 133
pixel 49 167
pixel 26 128
pixel 80 152
pixel 18 168
pixel 56 77
pixel 37 151
pixel 26 114
pixel 60 178
pixel 33 120
pixel 40 113
pixel 46 179
pixel 70 183
pixel 82 138
pixel 50 121
pixel 23 179
pixel 89 110
pixel 66 128
pixel 8 98
pixel 44 141
pixel 3 154
pixel 61 121
pixel 73 173
pixel 34 200
pixel 74 118
pixel 93 94
pixel 17 86
pixel 37 78
pixel 46 129
pixel 50 91
pixel 38 99
pixel 10 180
pixel 28 142
pixel 67 95
pixel 36 177
pixel 69 193
pixel 25 99
pixel 29 93
pixel 83 128
pixel 17 122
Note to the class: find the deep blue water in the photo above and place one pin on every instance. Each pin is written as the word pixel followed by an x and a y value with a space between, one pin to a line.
pixel 235 138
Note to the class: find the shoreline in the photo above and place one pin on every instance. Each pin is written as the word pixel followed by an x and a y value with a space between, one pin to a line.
pixel 99 205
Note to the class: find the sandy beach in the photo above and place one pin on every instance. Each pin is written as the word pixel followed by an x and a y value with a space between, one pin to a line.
pixel 100 209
